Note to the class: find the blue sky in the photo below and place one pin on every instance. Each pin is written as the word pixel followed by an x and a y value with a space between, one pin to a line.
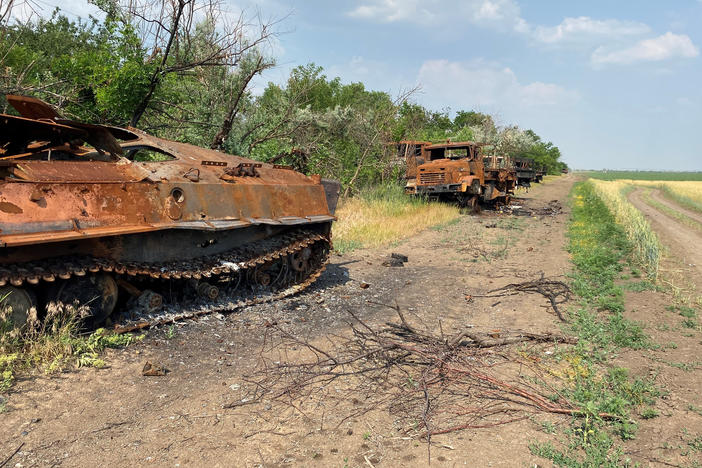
pixel 615 84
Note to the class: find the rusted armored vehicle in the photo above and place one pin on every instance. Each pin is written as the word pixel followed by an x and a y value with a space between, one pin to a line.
pixel 525 171
pixel 145 230
pixel 456 172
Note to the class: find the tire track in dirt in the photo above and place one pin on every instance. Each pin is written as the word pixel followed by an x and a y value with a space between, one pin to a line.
pixel 660 198
pixel 682 241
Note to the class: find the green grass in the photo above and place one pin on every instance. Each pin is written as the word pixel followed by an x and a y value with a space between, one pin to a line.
pixel 54 344
pixel 600 251
pixel 689 315
pixel 643 175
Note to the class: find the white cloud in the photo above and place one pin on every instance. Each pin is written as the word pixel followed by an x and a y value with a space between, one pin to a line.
pixel 480 84
pixel 665 47
pixel 585 29
pixel 503 14
pixel 389 11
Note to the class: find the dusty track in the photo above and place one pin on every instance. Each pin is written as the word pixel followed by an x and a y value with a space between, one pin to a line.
pixel 660 198
pixel 683 241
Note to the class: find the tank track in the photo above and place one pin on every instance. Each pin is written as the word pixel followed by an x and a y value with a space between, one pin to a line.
pixel 238 262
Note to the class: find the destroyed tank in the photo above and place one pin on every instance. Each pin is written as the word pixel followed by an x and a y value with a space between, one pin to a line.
pixel 140 230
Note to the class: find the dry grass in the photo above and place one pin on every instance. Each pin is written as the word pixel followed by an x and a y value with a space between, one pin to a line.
pixel 385 215
pixel 646 244
pixel 686 193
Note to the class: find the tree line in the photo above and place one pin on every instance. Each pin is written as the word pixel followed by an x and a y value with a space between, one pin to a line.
pixel 183 70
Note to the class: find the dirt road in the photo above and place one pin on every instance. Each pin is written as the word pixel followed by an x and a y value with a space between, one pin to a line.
pixel 682 240
pixel 118 417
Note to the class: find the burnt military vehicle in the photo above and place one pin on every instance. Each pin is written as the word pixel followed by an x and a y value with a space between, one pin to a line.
pixel 146 230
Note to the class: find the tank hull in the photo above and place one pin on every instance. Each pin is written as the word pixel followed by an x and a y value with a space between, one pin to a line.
pixel 79 200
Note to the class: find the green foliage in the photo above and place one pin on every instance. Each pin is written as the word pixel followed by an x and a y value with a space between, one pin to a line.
pixel 107 71
pixel 544 154
pixel 98 69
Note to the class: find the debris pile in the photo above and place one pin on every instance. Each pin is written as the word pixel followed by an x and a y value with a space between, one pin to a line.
pixel 434 383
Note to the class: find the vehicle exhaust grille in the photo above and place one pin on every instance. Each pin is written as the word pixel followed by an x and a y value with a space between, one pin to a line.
pixel 432 177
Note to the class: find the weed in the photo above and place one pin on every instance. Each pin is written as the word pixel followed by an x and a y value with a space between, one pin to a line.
pixel 696 443
pixel 444 226
pixel 366 435
pixel 54 344
pixel 548 427
pixel 689 314
pixel 639 286
pixel 171 332
pixel 649 413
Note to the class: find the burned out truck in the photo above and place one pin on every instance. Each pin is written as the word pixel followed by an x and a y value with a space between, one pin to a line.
pixel 500 172
pixel 453 172
pixel 525 171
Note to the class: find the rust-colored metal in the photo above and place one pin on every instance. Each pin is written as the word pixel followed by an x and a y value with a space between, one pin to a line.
pixel 454 171
pixel 411 152
pixel 70 189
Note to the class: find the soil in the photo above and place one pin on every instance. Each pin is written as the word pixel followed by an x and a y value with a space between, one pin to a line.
pixel 116 416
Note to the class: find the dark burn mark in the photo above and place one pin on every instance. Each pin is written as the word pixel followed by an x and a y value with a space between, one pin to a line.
pixel 11 208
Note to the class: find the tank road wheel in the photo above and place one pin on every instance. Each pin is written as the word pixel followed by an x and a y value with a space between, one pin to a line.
pixel 18 306
pixel 97 293
pixel 269 275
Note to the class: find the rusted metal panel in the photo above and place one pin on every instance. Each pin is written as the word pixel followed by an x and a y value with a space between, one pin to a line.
pixel 77 172
pixel 32 108
pixel 47 200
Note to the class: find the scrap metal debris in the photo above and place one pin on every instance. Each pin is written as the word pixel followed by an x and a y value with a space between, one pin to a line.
pixel 396 260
